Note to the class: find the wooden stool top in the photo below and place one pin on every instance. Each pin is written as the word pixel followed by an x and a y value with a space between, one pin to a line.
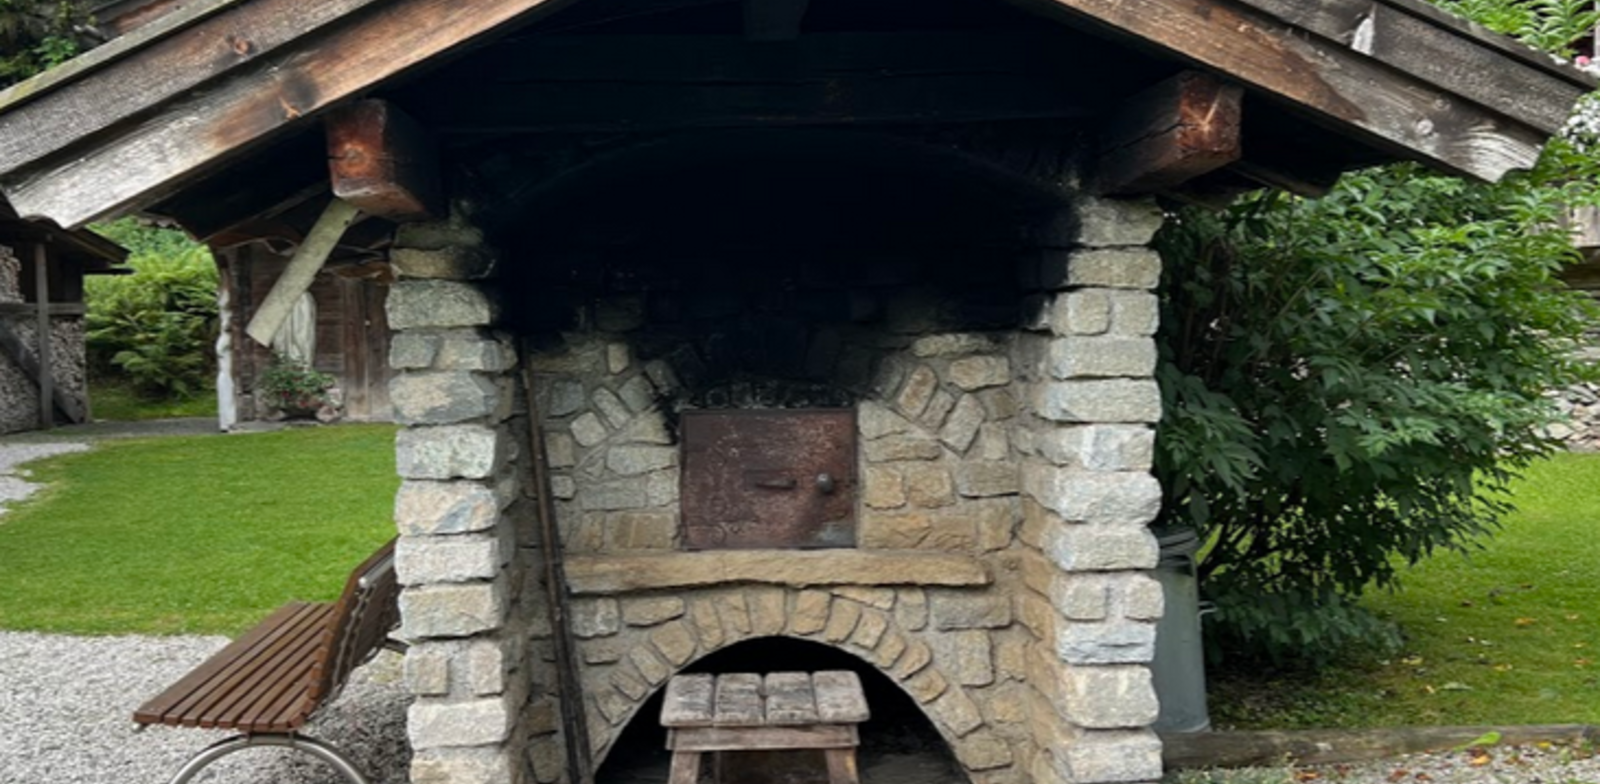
pixel 779 699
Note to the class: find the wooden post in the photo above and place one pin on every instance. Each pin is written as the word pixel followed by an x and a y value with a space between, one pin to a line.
pixel 302 270
pixel 41 287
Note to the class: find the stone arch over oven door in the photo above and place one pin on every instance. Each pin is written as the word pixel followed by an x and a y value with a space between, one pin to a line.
pixel 649 638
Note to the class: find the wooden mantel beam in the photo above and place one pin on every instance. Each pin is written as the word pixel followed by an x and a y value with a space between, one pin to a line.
pixel 199 130
pixel 1180 129
pixel 383 162
pixel 1396 111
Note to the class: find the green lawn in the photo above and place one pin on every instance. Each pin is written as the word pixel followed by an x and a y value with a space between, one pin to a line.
pixel 114 400
pixel 1510 635
pixel 199 534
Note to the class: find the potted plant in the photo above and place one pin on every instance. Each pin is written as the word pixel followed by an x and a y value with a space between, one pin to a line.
pixel 294 388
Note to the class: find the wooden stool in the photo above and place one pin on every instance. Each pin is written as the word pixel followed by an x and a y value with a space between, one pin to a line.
pixel 746 712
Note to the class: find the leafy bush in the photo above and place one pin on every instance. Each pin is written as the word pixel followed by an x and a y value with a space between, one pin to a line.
pixel 156 326
pixel 39 34
pixel 290 385
pixel 1351 381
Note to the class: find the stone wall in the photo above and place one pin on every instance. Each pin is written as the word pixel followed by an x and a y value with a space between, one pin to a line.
pixel 1000 573
pixel 19 393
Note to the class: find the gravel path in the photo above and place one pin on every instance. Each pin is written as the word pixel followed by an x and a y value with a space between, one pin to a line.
pixel 13 481
pixel 66 706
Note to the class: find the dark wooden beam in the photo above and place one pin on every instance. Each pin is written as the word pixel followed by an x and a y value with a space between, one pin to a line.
pixel 774 20
pixel 664 83
pixel 140 163
pixel 1400 114
pixel 1180 129
pixel 384 163
pixel 258 187
pixel 44 335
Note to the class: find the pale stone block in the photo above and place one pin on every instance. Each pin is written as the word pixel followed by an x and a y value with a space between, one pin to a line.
pixel 460 766
pixel 927 685
pixel 675 642
pixel 995 520
pixel 1081 597
pixel 911 609
pixel 1102 356
pixel 872 596
pixel 938 410
pixel 632 460
pixel 630 684
pixel 983 751
pixel 767 609
pixel 637 393
pixel 971 657
pixel 413 350
pixel 486 667
pixel 630 493
pixel 810 612
pixel 928 485
pixel 652 610
pixel 617 357
pixel 1106 222
pixel 588 430
pixel 563 487
pixel 469 350
pixel 994 442
pixel 878 530
pixel 983 479
pixel 423 304
pixel 1135 313
pixel 1142 597
pixel 870 629
pixel 957 712
pixel 1114 400
pixel 427 670
pixel 962 426
pixel 889 650
pixel 1106 642
pixel 450 451
pixel 458 610
pixel 547 758
pixel 650 666
pixel 980 372
pixel 954 344
pixel 558 397
pixel 883 487
pixel 1111 498
pixel 842 619
pixel 595 617
pixel 917 391
pixel 900 447
pixel 1086 312
pixel 561 450
pixel 1112 268
pixel 611 407
pixel 1111 757
pixel 605 650
pixel 431 724
pixel 612 704
pixel 875 421
pixel 420 560
pixel 424 508
pixel 455 231
pixel 1099 447
pixel 954 609
pixel 734 611
pixel 662 488
pixel 642 530
pixel 707 626
pixel 1093 548
pixel 917 656
pixel 647 428
pixel 1113 697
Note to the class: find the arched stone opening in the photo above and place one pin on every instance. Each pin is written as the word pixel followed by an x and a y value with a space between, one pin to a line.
pixel 900 745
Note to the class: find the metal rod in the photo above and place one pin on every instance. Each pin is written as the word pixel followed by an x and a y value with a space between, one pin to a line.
pixel 574 722
pixel 47 384
pixel 300 743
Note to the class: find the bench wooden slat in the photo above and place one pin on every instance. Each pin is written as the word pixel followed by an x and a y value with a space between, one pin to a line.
pixel 818 736
pixel 213 677
pixel 276 685
pixel 738 700
pixel 236 692
pixel 157 707
pixel 839 697
pixel 790 699
pixel 688 701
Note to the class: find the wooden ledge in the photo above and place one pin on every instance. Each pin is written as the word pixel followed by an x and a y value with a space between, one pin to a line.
pixel 595 574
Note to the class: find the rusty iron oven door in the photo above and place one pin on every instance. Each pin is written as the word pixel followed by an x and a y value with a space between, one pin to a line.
pixel 779 478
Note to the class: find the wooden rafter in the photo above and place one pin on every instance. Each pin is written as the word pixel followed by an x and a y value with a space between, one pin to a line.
pixel 384 163
pixel 1180 129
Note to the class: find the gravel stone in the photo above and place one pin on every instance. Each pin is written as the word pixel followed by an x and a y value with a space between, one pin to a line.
pixel 68 707
pixel 14 485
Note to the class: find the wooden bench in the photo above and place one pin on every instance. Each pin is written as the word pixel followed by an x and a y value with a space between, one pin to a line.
pixel 269 682
pixel 751 712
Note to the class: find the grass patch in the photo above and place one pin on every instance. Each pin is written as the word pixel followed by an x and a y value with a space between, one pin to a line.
pixel 114 400
pixel 198 534
pixel 1508 635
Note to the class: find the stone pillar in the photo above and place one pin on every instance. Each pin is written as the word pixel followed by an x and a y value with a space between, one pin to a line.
pixel 454 392
pixel 1088 361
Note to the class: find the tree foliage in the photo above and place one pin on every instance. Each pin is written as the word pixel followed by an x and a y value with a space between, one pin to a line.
pixel 40 34
pixel 156 326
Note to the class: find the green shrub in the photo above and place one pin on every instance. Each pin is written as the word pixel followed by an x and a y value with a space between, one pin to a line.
pixel 158 325
pixel 291 385
pixel 1348 384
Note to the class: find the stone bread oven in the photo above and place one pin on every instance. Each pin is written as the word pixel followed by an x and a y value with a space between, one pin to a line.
pixel 976 533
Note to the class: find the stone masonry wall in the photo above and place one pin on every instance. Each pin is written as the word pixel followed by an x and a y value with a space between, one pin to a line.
pixel 19 394
pixel 470 624
pixel 1020 449
pixel 1086 446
